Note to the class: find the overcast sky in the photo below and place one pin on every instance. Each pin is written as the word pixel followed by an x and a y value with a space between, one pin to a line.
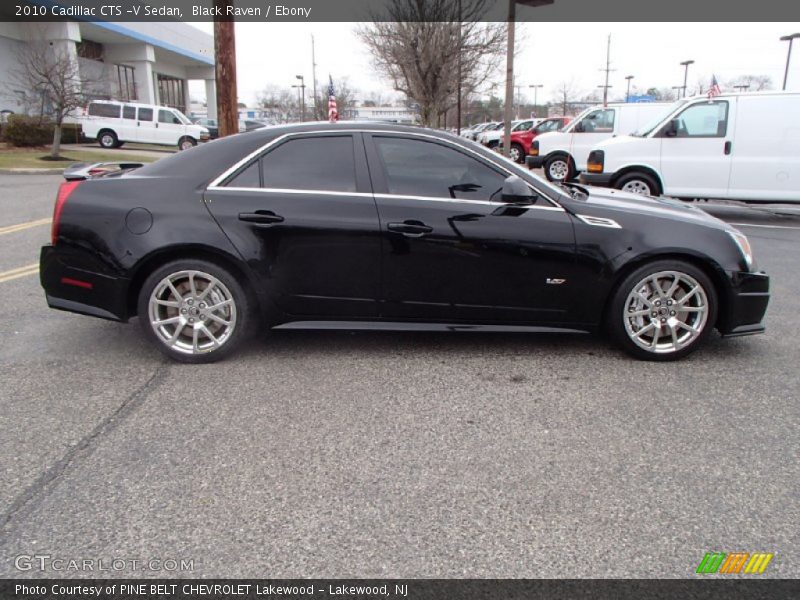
pixel 550 53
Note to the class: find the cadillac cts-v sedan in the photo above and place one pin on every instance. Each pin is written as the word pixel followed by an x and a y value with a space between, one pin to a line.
pixel 375 226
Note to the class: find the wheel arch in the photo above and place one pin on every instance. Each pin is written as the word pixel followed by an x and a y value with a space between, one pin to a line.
pixel 620 173
pixel 156 259
pixel 705 263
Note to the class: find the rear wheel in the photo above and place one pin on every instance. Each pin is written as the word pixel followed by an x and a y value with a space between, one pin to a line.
pixel 638 183
pixel 663 310
pixel 194 311
pixel 107 139
pixel 186 142
pixel 517 153
pixel 559 168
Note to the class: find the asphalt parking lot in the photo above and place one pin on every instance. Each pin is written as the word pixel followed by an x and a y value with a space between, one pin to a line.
pixel 393 455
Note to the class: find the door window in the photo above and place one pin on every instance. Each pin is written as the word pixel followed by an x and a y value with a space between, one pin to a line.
pixel 249 177
pixel 168 117
pixel 313 163
pixel 599 121
pixel 524 126
pixel 129 112
pixel 420 168
pixel 145 114
pixel 709 119
pixel 547 126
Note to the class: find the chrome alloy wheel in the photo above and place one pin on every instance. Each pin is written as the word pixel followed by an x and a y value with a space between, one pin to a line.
pixel 192 312
pixel 665 312
pixel 558 170
pixel 637 186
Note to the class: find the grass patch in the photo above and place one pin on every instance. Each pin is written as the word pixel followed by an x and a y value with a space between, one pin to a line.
pixel 38 158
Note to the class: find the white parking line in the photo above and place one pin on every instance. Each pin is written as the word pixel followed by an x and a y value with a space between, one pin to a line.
pixel 23 226
pixel 19 272
pixel 765 226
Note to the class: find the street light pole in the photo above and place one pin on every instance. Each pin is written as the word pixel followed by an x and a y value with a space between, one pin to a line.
pixel 507 114
pixel 686 64
pixel 628 93
pixel 458 91
pixel 788 38
pixel 535 87
pixel 302 87
pixel 679 88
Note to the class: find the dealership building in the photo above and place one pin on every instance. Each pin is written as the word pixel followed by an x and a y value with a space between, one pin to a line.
pixel 149 62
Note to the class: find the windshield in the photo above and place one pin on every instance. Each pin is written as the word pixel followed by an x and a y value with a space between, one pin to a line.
pixel 183 118
pixel 648 127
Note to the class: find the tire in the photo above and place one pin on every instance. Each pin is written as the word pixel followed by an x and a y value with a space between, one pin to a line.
pixel 185 143
pixel 649 324
pixel 107 139
pixel 517 153
pixel 184 328
pixel 637 182
pixel 559 168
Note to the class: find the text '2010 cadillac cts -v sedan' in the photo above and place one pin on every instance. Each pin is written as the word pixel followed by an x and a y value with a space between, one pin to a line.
pixel 353 225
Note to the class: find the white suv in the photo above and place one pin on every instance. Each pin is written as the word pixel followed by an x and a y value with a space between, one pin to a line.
pixel 114 123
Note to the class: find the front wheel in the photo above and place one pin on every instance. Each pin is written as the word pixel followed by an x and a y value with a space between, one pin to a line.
pixel 638 183
pixel 194 311
pixel 108 139
pixel 559 168
pixel 186 143
pixel 517 153
pixel 663 310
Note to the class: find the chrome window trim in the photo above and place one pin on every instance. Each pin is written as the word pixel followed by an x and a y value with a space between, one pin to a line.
pixel 215 185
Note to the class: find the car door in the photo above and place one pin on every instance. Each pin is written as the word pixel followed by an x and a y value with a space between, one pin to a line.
pixel 452 250
pixel 145 126
pixel 695 150
pixel 127 130
pixel 303 218
pixel 595 127
pixel 170 128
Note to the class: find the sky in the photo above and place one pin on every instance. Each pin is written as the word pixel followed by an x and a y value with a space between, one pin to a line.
pixel 548 54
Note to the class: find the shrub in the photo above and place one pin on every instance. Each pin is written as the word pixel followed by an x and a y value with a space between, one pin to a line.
pixel 22 130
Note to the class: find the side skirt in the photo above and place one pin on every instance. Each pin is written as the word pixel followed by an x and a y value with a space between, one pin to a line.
pixel 405 326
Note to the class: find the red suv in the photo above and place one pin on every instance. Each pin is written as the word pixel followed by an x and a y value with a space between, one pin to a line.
pixel 521 140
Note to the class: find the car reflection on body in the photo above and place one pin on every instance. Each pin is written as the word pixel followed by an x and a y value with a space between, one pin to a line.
pixel 362 226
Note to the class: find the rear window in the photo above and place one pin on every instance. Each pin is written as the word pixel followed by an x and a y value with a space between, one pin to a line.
pixel 104 110
pixel 129 112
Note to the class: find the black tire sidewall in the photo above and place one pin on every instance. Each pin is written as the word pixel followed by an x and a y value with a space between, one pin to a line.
pixel 615 322
pixel 242 300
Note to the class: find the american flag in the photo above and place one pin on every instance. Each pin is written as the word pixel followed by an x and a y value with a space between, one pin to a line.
pixel 333 111
pixel 714 90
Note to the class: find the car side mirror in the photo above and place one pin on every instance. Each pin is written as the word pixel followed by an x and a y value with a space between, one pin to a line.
pixel 516 191
pixel 670 129
pixel 176 121
pixel 579 128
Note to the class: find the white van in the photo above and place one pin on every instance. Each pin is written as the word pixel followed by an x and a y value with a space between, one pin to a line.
pixel 736 146
pixel 563 153
pixel 114 123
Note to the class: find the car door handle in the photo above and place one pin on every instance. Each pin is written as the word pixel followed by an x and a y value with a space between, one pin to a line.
pixel 410 228
pixel 728 146
pixel 261 217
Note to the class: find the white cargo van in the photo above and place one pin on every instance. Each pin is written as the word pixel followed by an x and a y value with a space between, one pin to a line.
pixel 114 123
pixel 736 146
pixel 563 153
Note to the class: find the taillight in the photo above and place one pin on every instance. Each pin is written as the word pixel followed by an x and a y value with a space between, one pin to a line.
pixel 64 192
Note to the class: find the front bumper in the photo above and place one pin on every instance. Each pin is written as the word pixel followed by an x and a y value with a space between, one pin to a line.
pixel 534 162
pixel 599 179
pixel 72 283
pixel 746 306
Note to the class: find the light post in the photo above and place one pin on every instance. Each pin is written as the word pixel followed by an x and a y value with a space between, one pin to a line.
pixel 744 87
pixel 788 38
pixel 628 93
pixel 679 88
pixel 686 64
pixel 302 89
pixel 507 113
pixel 458 92
pixel 535 97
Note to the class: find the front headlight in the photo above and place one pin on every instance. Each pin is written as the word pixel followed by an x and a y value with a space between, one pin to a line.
pixel 744 247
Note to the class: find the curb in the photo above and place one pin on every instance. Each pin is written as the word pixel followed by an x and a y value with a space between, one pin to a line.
pixel 32 171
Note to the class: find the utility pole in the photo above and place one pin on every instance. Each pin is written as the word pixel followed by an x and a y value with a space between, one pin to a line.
pixel 518 100
pixel 535 87
pixel 608 70
pixel 686 64
pixel 314 76
pixel 302 89
pixel 225 72
pixel 628 93
pixel 458 91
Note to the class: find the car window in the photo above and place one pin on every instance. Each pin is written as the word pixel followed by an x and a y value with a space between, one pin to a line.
pixel 709 119
pixel 421 168
pixel 129 112
pixel 97 109
pixel 547 126
pixel 167 116
pixel 524 126
pixel 145 114
pixel 250 177
pixel 314 163
pixel 599 121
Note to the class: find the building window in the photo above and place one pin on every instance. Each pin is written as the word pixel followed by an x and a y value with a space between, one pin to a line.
pixel 171 92
pixel 126 83
pixel 89 49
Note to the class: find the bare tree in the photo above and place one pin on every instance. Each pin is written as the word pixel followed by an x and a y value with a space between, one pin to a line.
pixel 566 94
pixel 418 49
pixel 282 105
pixel 755 83
pixel 51 75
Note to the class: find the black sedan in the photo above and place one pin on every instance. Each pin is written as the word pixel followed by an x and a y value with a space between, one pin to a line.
pixel 353 226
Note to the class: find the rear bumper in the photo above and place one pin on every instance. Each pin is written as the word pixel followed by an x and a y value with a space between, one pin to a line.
pixel 73 284
pixel 599 179
pixel 747 305
pixel 534 162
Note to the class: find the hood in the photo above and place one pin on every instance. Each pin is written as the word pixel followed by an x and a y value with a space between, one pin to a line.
pixel 615 201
